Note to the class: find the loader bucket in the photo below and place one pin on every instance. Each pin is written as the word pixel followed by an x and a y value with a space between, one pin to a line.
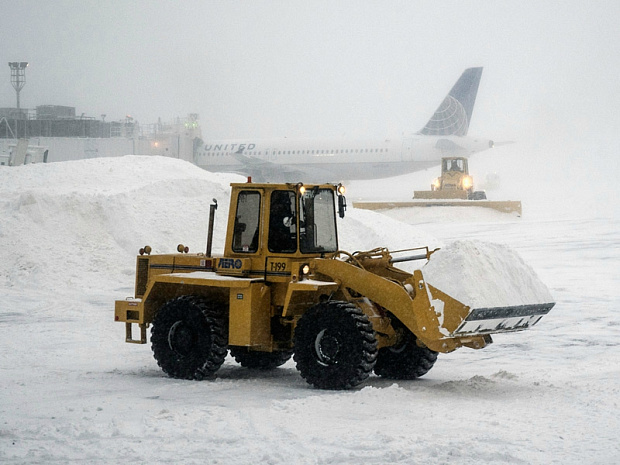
pixel 493 320
pixel 476 289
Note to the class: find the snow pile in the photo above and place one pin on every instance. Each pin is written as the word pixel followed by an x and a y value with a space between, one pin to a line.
pixel 68 223
pixel 482 274
pixel 366 230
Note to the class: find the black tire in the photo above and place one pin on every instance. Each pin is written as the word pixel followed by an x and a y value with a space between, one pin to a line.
pixel 478 195
pixel 189 337
pixel 260 360
pixel 406 360
pixel 335 346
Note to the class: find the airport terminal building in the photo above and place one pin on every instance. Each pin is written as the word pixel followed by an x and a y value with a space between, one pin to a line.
pixel 56 133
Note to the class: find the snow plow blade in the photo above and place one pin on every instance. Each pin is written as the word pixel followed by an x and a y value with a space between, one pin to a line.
pixel 446 194
pixel 503 206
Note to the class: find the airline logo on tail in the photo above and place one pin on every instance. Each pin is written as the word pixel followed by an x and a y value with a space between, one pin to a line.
pixel 454 114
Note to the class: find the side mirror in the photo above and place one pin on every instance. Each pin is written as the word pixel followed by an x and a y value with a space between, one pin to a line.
pixel 342 205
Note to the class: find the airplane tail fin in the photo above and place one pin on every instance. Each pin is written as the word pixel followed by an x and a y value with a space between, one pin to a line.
pixel 454 114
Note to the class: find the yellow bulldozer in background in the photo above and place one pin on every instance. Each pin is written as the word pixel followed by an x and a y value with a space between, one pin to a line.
pixel 283 288
pixel 454 188
pixel 455 182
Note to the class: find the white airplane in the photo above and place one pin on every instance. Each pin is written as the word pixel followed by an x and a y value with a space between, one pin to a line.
pixel 336 160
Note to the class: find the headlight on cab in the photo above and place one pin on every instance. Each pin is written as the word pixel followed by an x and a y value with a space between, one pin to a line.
pixel 468 182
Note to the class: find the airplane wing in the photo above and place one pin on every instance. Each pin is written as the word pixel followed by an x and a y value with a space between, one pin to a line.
pixel 263 170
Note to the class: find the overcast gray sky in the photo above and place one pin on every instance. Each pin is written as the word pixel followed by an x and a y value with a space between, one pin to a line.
pixel 320 68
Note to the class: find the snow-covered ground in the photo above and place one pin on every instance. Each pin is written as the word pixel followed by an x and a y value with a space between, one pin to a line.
pixel 71 390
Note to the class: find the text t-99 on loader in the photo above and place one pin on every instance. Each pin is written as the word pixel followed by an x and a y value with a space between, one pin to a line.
pixel 283 288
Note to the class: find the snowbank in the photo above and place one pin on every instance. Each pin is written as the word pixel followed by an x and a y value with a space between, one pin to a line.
pixel 66 224
pixel 482 275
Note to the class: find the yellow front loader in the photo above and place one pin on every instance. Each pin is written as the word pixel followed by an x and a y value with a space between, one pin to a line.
pixel 283 288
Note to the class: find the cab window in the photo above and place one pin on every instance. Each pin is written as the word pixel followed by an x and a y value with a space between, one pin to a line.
pixel 282 222
pixel 317 221
pixel 247 219
pixel 453 165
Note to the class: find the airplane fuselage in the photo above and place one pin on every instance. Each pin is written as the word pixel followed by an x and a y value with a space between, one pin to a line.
pixel 316 160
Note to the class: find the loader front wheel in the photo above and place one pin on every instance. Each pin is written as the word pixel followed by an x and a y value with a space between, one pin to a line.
pixel 406 360
pixel 335 346
pixel 189 337
pixel 260 360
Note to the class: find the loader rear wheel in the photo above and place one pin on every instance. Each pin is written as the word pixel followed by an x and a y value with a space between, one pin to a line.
pixel 406 360
pixel 189 337
pixel 260 360
pixel 335 346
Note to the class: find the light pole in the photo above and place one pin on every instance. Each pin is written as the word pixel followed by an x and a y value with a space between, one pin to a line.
pixel 18 76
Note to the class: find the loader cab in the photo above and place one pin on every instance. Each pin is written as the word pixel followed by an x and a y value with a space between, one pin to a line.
pixel 454 165
pixel 272 224
pixel 454 177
